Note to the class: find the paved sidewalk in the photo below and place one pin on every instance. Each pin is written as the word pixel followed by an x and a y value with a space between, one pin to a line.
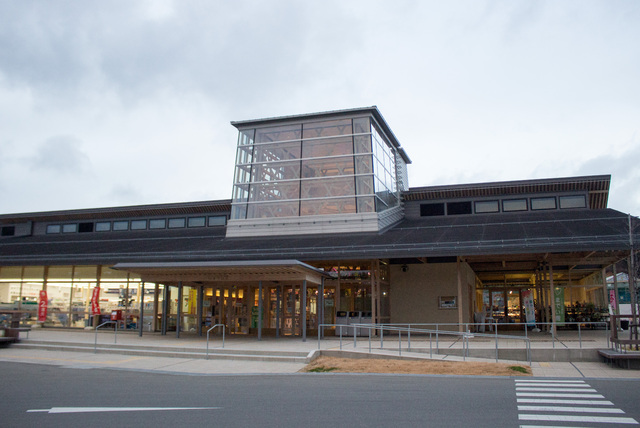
pixel 233 367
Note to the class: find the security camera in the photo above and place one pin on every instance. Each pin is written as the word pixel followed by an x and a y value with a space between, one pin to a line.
pixel 405 268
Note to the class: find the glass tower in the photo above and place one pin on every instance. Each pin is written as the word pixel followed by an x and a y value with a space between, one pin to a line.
pixel 312 166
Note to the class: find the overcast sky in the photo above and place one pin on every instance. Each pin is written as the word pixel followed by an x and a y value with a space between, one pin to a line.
pixel 110 103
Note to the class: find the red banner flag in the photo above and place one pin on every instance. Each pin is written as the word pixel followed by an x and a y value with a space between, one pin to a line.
pixel 43 303
pixel 95 301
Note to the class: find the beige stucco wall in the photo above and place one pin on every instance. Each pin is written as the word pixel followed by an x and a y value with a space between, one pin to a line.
pixel 414 294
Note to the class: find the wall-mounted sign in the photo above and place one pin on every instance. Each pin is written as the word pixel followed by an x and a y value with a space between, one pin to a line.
pixel 447 302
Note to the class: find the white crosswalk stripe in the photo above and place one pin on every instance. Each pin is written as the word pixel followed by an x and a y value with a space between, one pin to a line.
pixel 563 403
pixel 557 389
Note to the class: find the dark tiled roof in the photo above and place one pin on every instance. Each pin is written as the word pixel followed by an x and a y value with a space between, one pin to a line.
pixel 525 233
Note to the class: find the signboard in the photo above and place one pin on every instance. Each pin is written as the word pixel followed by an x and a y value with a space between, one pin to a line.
pixel 558 300
pixel 612 300
pixel 254 317
pixel 529 309
pixel 447 302
pixel 95 301
pixel 43 304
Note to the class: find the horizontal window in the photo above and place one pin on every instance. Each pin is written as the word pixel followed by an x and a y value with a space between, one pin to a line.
pixel 196 222
pixel 85 227
pixel 543 203
pixel 103 226
pixel 218 220
pixel 487 207
pixel 8 230
pixel 578 201
pixel 514 205
pixel 160 223
pixel 458 208
pixel 54 228
pixel 69 228
pixel 120 225
pixel 139 225
pixel 176 223
pixel 431 210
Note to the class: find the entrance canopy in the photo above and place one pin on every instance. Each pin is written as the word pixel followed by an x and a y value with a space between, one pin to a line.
pixel 231 271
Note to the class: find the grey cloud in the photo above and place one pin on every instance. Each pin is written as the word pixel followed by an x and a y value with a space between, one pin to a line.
pixel 623 165
pixel 60 154
pixel 211 48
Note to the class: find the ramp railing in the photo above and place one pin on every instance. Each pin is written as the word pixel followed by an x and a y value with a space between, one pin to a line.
pixel 354 330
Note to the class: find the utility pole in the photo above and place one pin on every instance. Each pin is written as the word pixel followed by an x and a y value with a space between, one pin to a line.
pixel 632 283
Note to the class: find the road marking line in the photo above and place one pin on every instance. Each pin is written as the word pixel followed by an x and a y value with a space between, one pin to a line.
pixel 548 381
pixel 555 385
pixel 113 409
pixel 557 389
pixel 552 401
pixel 572 418
pixel 547 426
pixel 568 409
pixel 546 394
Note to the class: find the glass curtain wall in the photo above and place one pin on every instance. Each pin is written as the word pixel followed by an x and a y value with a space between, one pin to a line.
pixel 69 293
pixel 338 166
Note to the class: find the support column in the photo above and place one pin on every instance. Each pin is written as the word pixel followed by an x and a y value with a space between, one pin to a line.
pixel 179 309
pixel 321 306
pixel 156 295
pixel 260 310
pixel 615 289
pixel 278 309
pixel 375 289
pixel 605 292
pixel 303 310
pixel 165 309
pixel 95 320
pixel 200 308
pixel 460 310
pixel 141 317
pixel 553 300
pixel 294 316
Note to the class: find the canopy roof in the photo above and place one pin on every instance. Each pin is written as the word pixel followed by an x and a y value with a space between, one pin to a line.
pixel 281 271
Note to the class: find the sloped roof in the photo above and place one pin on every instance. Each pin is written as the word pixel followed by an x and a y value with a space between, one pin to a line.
pixel 514 233
pixel 597 187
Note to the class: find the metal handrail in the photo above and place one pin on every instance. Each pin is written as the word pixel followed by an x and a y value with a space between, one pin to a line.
pixel 552 327
pixel 465 336
pixel 223 329
pixel 115 337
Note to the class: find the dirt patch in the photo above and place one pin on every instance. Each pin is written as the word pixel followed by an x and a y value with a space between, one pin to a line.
pixel 370 365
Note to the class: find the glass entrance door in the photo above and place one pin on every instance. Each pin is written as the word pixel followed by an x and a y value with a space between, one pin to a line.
pixel 227 305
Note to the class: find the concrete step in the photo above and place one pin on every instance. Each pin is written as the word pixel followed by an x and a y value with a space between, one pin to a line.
pixel 212 348
pixel 219 354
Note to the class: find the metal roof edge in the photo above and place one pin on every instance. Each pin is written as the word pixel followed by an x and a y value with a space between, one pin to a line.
pixel 372 110
pixel 501 184
pixel 168 207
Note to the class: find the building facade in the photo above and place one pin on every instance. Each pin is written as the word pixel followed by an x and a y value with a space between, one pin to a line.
pixel 321 222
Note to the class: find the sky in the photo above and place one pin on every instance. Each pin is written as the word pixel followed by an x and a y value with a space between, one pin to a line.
pixel 115 103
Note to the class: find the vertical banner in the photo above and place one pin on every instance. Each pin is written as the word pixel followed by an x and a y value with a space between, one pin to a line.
pixel 42 306
pixel 612 300
pixel 95 301
pixel 558 300
pixel 529 309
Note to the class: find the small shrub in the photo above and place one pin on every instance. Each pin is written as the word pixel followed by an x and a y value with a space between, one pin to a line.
pixel 322 369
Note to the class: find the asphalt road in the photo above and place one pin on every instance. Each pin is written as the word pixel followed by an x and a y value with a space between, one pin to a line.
pixel 43 395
